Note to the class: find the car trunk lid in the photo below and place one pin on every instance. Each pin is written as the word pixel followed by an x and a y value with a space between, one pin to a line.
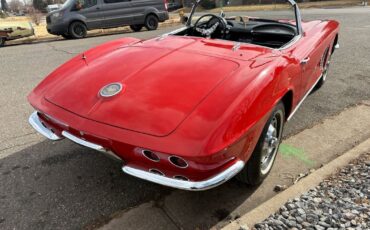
pixel 162 86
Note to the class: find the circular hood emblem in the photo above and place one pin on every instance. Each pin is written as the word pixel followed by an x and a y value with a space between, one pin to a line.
pixel 110 90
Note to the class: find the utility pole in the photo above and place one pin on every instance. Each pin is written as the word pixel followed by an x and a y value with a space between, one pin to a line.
pixel 4 5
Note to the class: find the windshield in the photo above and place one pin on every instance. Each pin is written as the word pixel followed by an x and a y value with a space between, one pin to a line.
pixel 282 10
pixel 67 3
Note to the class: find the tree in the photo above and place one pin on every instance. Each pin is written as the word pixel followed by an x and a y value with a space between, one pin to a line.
pixel 15 5
pixel 39 4
pixel 35 15
pixel 4 5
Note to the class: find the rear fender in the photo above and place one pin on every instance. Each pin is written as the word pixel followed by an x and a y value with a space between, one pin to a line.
pixel 246 116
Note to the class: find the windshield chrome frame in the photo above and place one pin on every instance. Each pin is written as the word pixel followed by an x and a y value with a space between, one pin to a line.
pixel 298 17
pixel 195 5
pixel 297 13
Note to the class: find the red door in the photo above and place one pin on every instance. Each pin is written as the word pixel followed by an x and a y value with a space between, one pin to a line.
pixel 308 56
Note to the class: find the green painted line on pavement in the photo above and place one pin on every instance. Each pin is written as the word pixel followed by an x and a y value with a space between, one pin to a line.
pixel 290 151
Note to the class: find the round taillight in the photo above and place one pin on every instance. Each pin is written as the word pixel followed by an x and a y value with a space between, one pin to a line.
pixel 156 171
pixel 150 155
pixel 178 161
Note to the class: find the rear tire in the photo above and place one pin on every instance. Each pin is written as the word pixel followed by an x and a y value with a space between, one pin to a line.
pixel 136 28
pixel 2 41
pixel 66 36
pixel 263 157
pixel 151 22
pixel 77 30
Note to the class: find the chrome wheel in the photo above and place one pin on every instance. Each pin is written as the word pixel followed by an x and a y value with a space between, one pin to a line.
pixel 271 142
pixel 326 68
pixel 262 159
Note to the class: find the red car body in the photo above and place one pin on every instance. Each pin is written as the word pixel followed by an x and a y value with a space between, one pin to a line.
pixel 190 97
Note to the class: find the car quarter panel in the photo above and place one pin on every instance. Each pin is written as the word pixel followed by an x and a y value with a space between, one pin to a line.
pixel 266 81
pixel 234 115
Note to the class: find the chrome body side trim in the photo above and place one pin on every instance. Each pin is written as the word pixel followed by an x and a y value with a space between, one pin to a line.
pixel 236 46
pixel 175 31
pixel 290 43
pixel 35 122
pixel 187 185
pixel 304 97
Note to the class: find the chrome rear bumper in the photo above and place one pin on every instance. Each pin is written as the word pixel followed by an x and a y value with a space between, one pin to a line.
pixel 37 124
pixel 90 145
pixel 166 181
pixel 82 142
pixel 187 185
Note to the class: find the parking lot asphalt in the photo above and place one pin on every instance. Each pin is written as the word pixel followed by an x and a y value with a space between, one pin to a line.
pixel 50 185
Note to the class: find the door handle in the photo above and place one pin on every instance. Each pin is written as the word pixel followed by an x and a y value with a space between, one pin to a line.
pixel 98 8
pixel 305 61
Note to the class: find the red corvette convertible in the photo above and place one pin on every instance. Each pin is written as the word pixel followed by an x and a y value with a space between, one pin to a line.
pixel 192 108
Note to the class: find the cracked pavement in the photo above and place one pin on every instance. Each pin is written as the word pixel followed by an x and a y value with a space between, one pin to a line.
pixel 55 185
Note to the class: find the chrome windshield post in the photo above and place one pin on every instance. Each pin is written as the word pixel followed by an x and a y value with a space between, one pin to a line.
pixel 195 5
pixel 298 17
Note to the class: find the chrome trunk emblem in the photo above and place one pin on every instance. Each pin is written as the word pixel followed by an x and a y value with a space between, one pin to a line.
pixel 111 90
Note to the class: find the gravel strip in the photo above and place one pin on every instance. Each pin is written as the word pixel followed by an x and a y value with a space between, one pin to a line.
pixel 339 202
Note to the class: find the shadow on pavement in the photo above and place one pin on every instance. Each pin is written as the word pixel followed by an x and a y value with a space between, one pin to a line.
pixel 62 185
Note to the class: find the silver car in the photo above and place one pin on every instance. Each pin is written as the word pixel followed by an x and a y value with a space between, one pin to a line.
pixel 76 17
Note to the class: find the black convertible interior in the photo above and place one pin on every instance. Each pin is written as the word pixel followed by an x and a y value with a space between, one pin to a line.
pixel 264 32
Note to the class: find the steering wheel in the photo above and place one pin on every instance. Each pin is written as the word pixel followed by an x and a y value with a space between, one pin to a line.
pixel 207 29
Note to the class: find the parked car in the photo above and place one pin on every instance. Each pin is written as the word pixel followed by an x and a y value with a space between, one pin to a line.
pixel 14 30
pixel 19 13
pixel 76 17
pixel 192 108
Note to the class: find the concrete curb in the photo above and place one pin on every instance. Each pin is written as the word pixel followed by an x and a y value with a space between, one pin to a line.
pixel 271 206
